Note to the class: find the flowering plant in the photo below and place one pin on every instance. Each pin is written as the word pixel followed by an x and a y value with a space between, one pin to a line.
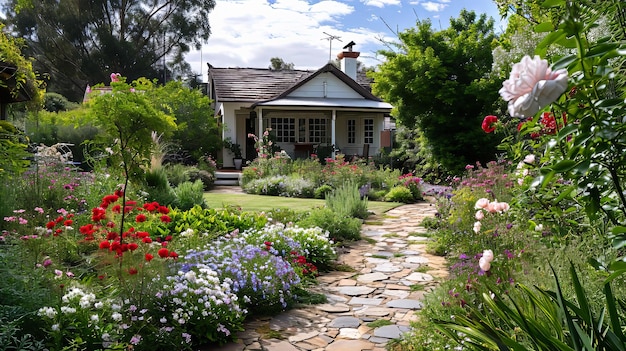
pixel 194 307
pixel 261 279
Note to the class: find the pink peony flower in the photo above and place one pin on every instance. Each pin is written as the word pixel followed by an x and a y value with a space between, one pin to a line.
pixel 479 215
pixel 482 203
pixel 484 264
pixel 532 86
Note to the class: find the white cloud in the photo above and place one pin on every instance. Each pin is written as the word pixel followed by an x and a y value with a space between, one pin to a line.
pixel 248 33
pixel 434 6
pixel 380 3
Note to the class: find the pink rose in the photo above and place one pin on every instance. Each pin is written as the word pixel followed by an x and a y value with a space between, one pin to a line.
pixel 115 77
pixel 477 226
pixel 488 255
pixel 479 215
pixel 532 86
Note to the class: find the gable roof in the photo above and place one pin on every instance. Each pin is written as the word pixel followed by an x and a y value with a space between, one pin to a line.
pixel 259 84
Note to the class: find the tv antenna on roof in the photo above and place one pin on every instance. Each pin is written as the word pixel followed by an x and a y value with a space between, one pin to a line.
pixel 330 39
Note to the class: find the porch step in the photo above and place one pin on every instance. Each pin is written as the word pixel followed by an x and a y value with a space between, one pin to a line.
pixel 227 178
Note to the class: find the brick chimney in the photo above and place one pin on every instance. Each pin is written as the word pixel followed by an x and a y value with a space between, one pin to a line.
pixel 348 60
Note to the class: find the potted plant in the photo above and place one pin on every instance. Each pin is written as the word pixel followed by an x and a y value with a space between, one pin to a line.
pixel 236 150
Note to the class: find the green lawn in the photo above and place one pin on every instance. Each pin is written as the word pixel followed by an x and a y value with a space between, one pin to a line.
pixel 264 203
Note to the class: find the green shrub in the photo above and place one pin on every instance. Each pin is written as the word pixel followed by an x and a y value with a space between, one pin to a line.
pixel 346 201
pixel 341 228
pixel 177 173
pixel 322 191
pixel 207 178
pixel 189 194
pixel 285 215
pixel 280 186
pixel 158 188
pixel 399 193
pixel 377 195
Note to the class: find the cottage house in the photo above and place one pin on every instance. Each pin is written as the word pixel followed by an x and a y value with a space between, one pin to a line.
pixel 308 111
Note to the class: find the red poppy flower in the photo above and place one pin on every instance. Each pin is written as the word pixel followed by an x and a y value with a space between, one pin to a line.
pixel 133 246
pixel 104 244
pixel 140 218
pixel 165 219
pixel 146 240
pixel 110 225
pixel 143 234
pixel 68 222
pixel 149 257
pixel 119 193
pixel 57 232
pixel 117 209
pixel 132 271
pixel 59 219
pixel 168 238
pixel 163 253
pixel 173 254
pixel 267 243
pixel 111 235
pixel 489 123
pixel 164 210
pixel 50 224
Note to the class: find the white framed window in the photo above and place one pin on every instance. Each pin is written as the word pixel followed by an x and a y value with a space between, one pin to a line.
pixel 317 130
pixel 368 131
pixel 284 129
pixel 352 131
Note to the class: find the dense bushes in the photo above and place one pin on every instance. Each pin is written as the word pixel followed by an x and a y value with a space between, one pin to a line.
pixel 281 176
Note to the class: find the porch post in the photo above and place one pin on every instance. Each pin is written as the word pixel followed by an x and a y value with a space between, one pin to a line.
pixel 332 132
pixel 261 122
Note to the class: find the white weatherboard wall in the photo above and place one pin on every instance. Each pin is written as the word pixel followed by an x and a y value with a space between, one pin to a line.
pixel 326 85
pixel 230 130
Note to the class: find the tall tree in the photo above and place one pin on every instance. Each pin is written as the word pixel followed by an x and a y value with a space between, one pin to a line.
pixel 439 82
pixel 80 42
pixel 278 64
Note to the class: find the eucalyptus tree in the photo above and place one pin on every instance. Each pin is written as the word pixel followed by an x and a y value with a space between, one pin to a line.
pixel 80 42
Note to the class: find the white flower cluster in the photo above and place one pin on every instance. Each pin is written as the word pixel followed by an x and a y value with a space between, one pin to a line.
pixel 522 168
pixel 198 295
pixel 59 152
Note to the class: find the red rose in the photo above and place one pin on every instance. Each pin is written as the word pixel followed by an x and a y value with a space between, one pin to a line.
pixel 489 123
pixel 68 222
pixel 133 246
pixel 173 254
pixel 149 257
pixel 105 244
pixel 140 218
pixel 50 224
pixel 132 271
pixel 164 210
pixel 146 240
pixel 163 253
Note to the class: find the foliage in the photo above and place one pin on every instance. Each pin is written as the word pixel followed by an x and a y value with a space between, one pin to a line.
pixel 399 193
pixel 131 38
pixel 54 102
pixel 25 77
pixel 437 81
pixel 234 148
pixel 341 228
pixel 13 155
pixel 277 64
pixel 290 240
pixel 196 134
pixel 158 187
pixel 280 186
pixel 189 194
pixel 543 320
pixel 347 201
pixel 322 190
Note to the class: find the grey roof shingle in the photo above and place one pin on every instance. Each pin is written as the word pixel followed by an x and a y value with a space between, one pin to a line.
pixel 259 84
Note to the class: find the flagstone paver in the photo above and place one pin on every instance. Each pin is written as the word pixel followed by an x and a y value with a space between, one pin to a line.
pixel 380 288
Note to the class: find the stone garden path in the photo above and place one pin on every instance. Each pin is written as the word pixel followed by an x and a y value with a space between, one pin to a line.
pixel 391 274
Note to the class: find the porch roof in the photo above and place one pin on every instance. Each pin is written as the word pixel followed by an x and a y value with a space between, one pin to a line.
pixel 327 103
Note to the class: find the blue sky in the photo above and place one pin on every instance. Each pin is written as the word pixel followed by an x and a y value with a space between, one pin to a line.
pixel 247 33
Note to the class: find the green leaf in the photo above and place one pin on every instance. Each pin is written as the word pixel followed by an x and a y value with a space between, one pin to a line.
pixel 544 27
pixel 553 3
pixel 564 62
pixel 563 166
